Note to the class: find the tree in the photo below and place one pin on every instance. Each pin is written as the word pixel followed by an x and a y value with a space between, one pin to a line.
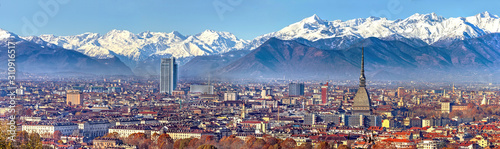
pixel 342 146
pixel 5 142
pixel 27 140
pixel 22 137
pixel 208 139
pixel 323 145
pixel 270 140
pixel 275 146
pixel 145 143
pixel 136 139
pixel 306 145
pixel 230 142
pixel 250 140
pixel 194 142
pixel 288 143
pixel 206 146
pixel 182 143
pixel 456 113
pixel 113 135
pixel 57 135
pixel 258 144
pixel 165 141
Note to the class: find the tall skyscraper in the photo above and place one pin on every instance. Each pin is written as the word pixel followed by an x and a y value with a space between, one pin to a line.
pixel 362 102
pixel 324 93
pixel 73 97
pixel 295 89
pixel 168 75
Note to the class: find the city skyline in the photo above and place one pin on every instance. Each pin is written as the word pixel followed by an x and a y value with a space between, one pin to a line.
pixel 236 74
pixel 110 116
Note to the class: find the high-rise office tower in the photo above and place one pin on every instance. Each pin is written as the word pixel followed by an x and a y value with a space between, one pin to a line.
pixel 295 89
pixel 324 93
pixel 168 75
pixel 362 102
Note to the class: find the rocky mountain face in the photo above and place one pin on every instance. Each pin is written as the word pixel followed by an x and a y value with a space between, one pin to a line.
pixel 385 59
pixel 276 58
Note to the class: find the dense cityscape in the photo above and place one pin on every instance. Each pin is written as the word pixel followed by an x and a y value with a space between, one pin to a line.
pixel 259 74
pixel 126 112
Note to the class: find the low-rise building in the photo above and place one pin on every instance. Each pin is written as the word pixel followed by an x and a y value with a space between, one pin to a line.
pixel 45 129
pixel 92 129
pixel 125 131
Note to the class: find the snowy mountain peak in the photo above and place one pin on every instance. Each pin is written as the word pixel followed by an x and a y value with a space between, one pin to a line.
pixel 145 34
pixel 6 34
pixel 313 19
pixel 212 33
pixel 431 16
pixel 116 31
pixel 89 35
pixel 209 34
pixel 430 28
pixel 120 33
pixel 372 18
pixel 132 48
pixel 209 31
pixel 47 36
pixel 486 14
pixel 176 33
pixel 220 41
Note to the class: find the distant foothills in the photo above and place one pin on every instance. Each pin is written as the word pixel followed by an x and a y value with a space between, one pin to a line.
pixel 423 47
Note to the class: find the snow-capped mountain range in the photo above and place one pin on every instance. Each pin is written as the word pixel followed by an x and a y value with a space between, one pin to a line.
pixel 133 49
pixel 429 28
pixel 140 46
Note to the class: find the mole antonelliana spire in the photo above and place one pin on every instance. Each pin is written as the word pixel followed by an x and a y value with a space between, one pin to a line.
pixel 362 79
pixel 362 101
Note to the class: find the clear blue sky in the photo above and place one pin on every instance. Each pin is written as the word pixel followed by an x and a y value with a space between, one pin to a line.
pixel 245 18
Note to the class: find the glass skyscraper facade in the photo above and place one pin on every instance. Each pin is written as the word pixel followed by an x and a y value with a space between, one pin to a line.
pixel 168 75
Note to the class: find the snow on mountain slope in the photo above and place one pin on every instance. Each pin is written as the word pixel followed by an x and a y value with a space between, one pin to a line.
pixel 221 41
pixel 6 34
pixel 137 47
pixel 429 28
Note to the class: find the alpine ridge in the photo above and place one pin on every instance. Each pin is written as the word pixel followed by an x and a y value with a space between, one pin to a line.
pixel 430 28
pixel 422 42
pixel 134 48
